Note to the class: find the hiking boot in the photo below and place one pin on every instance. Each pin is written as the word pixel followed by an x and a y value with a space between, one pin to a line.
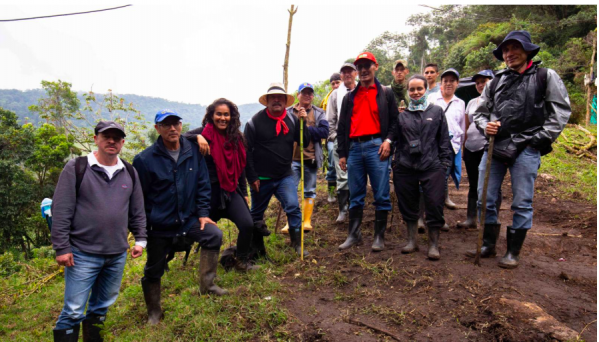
pixel 91 326
pixel 433 244
pixel 470 222
pixel 152 297
pixel 412 245
pixel 243 265
pixel 66 335
pixel 354 235
pixel 421 224
pixel 296 242
pixel 208 266
pixel 448 202
pixel 380 224
pixel 515 240
pixel 308 209
pixel 490 235
pixel 332 198
pixel 343 200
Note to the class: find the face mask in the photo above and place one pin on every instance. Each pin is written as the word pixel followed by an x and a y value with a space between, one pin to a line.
pixel 419 104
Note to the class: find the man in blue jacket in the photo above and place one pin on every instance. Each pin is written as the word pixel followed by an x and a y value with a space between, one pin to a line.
pixel 176 187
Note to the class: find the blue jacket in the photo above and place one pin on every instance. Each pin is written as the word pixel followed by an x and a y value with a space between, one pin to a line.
pixel 175 194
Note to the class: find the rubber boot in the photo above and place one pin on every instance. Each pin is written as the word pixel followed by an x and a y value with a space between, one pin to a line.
pixel 285 229
pixel 208 265
pixel 296 242
pixel 412 245
pixel 433 244
pixel 354 235
pixel 308 209
pixel 332 198
pixel 515 240
pixel 421 224
pixel 152 297
pixel 380 224
pixel 91 326
pixel 66 335
pixel 448 203
pixel 490 236
pixel 470 222
pixel 343 200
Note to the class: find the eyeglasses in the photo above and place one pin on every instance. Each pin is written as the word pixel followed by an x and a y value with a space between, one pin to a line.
pixel 168 125
pixel 366 65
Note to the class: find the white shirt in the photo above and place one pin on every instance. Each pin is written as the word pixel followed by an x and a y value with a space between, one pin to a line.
pixel 455 116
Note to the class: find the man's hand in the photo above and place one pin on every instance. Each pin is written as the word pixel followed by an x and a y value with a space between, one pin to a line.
pixel 255 185
pixel 65 260
pixel 204 220
pixel 204 147
pixel 493 127
pixel 384 150
pixel 302 113
pixel 247 200
pixel 343 163
pixel 136 251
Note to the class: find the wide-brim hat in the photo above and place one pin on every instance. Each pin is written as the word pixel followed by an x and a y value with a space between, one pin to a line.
pixel 523 37
pixel 276 88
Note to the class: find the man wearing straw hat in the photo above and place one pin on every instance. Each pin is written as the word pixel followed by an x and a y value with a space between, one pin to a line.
pixel 270 136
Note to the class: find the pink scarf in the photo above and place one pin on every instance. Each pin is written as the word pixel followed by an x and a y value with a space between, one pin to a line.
pixel 229 161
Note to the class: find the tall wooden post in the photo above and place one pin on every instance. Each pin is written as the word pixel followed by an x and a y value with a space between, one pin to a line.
pixel 292 11
pixel 587 119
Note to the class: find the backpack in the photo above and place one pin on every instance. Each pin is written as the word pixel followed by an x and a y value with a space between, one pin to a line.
pixel 541 76
pixel 81 167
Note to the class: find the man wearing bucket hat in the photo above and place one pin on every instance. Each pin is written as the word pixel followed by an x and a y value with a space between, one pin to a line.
pixel 365 133
pixel 526 108
pixel 176 187
pixel 270 136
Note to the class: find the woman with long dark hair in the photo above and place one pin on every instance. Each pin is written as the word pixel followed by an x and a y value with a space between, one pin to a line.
pixel 226 161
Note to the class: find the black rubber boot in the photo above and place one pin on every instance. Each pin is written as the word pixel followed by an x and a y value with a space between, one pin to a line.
pixel 470 222
pixel 354 235
pixel 152 298
pixel 91 326
pixel 296 242
pixel 490 236
pixel 343 199
pixel 380 225
pixel 515 240
pixel 66 335
pixel 421 222
pixel 208 266
pixel 433 244
pixel 448 203
pixel 412 245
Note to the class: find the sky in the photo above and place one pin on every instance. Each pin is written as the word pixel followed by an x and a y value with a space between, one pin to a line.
pixel 187 51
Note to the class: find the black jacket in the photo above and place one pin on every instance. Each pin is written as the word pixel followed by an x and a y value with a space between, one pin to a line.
pixel 388 113
pixel 428 129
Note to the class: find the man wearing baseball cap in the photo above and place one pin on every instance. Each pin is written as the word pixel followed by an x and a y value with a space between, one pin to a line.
pixel 348 76
pixel 331 176
pixel 526 108
pixel 398 85
pixel 365 133
pixel 97 200
pixel 176 187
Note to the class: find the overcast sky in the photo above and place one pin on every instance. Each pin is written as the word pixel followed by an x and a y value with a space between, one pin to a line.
pixel 187 51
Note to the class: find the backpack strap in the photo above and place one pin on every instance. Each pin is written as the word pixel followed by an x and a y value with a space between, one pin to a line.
pixel 129 168
pixel 80 168
pixel 542 84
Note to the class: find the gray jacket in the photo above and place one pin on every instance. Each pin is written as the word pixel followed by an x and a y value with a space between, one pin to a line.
pixel 527 123
pixel 318 132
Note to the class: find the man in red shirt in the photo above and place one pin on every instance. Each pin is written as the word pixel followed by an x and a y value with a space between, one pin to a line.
pixel 365 134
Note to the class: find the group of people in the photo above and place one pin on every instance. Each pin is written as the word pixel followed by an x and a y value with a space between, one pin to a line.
pixel 177 190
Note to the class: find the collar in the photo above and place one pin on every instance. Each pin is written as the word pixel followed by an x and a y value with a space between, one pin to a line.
pixel 92 160
pixel 297 108
pixel 359 85
pixel 184 147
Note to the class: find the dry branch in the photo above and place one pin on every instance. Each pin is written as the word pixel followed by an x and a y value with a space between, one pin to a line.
pixel 379 330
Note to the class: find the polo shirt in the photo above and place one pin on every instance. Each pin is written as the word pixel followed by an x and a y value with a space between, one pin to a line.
pixel 365 114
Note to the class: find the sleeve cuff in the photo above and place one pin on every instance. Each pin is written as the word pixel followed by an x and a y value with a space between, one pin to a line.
pixel 64 251
pixel 143 244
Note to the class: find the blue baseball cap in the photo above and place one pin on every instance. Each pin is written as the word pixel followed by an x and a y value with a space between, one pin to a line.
pixel 451 71
pixel 165 113
pixel 304 86
pixel 483 73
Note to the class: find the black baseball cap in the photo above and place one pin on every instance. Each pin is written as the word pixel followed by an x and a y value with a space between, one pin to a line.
pixel 106 125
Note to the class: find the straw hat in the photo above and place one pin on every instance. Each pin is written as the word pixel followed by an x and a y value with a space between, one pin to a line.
pixel 276 88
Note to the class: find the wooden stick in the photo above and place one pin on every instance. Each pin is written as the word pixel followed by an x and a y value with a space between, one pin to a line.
pixel 379 330
pixel 483 211
pixel 292 11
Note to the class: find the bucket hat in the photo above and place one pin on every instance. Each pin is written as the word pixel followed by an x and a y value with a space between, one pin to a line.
pixel 523 37
pixel 276 88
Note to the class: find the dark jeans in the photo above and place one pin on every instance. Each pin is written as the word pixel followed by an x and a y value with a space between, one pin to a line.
pixel 472 160
pixel 238 212
pixel 432 183
pixel 158 247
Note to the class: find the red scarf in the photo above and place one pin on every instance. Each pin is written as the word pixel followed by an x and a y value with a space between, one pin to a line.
pixel 280 122
pixel 229 161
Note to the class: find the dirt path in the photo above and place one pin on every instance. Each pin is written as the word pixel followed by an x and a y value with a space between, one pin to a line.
pixel 411 298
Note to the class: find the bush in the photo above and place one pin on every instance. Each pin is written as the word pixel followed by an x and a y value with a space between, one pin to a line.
pixel 8 264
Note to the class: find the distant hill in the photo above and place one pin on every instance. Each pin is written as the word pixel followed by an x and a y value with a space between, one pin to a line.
pixel 18 101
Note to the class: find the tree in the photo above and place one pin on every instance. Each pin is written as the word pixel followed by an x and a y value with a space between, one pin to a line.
pixel 59 105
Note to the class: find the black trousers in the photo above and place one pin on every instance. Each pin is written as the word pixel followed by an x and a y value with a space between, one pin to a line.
pixel 472 160
pixel 158 247
pixel 236 210
pixel 432 183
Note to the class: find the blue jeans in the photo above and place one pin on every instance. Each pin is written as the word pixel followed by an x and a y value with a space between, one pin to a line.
pixel 331 176
pixel 523 174
pixel 285 190
pixel 309 178
pixel 99 274
pixel 364 160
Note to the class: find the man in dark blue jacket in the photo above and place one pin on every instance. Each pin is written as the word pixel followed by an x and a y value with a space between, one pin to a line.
pixel 176 187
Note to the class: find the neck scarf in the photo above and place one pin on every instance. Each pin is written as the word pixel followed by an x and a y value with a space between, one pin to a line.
pixel 280 122
pixel 419 104
pixel 229 160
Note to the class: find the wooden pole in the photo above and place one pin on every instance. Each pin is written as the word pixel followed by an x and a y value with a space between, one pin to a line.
pixel 302 185
pixel 587 120
pixel 292 11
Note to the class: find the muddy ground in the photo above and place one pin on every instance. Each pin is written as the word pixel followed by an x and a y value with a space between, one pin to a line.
pixel 335 295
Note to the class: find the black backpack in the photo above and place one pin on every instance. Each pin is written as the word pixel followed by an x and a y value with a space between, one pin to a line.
pixel 81 167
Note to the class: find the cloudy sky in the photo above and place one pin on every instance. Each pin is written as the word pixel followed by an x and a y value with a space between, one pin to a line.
pixel 187 51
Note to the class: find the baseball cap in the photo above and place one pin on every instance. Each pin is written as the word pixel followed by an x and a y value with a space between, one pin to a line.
pixel 403 62
pixel 451 71
pixel 335 77
pixel 165 113
pixel 366 55
pixel 106 125
pixel 304 86
pixel 483 73
pixel 348 65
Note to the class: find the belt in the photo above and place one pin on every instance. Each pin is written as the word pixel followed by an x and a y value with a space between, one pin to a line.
pixel 365 138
